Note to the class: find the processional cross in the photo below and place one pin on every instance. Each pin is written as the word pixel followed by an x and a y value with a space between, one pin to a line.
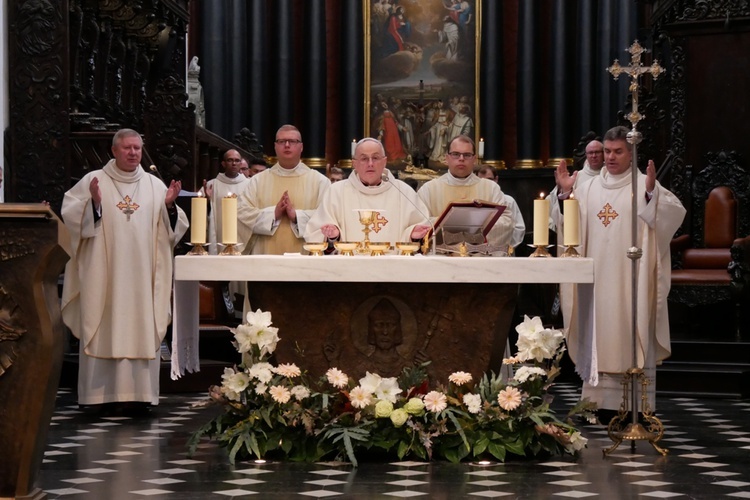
pixel 635 431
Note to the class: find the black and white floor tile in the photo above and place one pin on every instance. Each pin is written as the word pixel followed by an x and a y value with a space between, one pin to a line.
pixel 93 457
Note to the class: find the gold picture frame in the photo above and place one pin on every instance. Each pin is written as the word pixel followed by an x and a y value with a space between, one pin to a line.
pixel 421 77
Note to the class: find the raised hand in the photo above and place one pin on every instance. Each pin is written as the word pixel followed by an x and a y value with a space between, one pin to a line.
pixel 96 193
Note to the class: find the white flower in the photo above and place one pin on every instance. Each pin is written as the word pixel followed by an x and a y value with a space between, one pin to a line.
pixel 359 397
pixel 460 378
pixel 388 389
pixel 337 378
pixel 577 442
pixel 244 336
pixel 509 398
pixel 529 326
pixel 233 383
pixel 280 394
pixel 435 401
pixel 259 318
pixel 300 392
pixel 525 373
pixel 473 402
pixel 370 382
pixel 261 372
pixel 288 370
pixel 260 388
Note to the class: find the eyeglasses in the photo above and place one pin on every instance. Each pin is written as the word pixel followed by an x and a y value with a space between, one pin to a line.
pixel 291 142
pixel 233 160
pixel 455 155
pixel 368 159
pixel 594 153
pixel 242 169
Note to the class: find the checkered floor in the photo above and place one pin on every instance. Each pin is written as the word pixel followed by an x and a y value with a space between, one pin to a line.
pixel 116 458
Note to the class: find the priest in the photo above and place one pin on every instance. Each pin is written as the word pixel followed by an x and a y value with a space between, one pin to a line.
pixel 599 334
pixel 401 214
pixel 123 226
pixel 277 203
pixel 230 181
pixel 461 184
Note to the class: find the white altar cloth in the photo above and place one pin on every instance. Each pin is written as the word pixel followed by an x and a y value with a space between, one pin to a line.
pixel 190 269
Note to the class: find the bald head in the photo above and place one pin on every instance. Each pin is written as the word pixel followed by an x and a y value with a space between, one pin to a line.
pixel 595 155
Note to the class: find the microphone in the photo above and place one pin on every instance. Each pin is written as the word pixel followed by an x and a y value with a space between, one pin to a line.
pixel 384 177
pixel 155 171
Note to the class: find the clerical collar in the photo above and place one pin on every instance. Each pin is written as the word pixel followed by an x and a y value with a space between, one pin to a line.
pixel 461 181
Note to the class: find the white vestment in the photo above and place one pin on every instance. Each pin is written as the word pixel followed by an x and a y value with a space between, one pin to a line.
pixel 257 204
pixel 600 332
pixel 222 186
pixel 555 215
pixel 438 193
pixel 398 206
pixel 118 283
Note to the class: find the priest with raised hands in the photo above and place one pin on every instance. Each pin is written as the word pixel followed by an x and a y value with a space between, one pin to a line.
pixel 460 184
pixel 123 226
pixel 401 214
pixel 599 334
pixel 229 182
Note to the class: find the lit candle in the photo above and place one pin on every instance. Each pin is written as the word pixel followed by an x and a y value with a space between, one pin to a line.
pixel 481 148
pixel 229 219
pixel 541 221
pixel 571 228
pixel 198 220
pixel 354 146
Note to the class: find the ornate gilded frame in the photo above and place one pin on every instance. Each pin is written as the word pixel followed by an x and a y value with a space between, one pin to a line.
pixel 421 72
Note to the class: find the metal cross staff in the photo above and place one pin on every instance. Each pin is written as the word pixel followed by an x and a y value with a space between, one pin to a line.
pixel 635 431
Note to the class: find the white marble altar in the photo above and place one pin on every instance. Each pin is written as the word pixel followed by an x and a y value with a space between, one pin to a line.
pixel 189 270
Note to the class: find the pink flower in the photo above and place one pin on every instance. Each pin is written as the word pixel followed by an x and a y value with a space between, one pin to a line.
pixel 280 394
pixel 337 378
pixel 509 398
pixel 460 378
pixel 435 401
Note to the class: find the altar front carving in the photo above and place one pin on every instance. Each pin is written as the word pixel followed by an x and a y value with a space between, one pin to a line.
pixel 363 313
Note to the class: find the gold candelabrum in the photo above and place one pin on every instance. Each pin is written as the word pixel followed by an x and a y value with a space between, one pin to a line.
pixel 635 431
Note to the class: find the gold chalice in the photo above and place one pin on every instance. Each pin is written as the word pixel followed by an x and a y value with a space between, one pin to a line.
pixel 407 247
pixel 346 247
pixel 379 248
pixel 315 249
pixel 366 218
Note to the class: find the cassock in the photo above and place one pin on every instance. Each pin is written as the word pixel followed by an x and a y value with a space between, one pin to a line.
pixel 438 193
pixel 222 186
pixel 398 205
pixel 118 282
pixel 256 205
pixel 600 331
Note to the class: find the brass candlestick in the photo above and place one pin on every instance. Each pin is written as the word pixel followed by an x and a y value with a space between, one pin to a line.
pixel 198 249
pixel 541 251
pixel 230 249
pixel 570 251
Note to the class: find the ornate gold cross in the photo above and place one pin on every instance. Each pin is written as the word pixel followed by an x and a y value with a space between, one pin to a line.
pixel 607 215
pixel 378 222
pixel 635 69
pixel 127 207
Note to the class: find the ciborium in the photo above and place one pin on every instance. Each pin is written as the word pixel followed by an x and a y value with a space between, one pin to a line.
pixel 346 247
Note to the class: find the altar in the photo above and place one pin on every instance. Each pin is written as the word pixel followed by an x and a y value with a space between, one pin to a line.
pixel 363 313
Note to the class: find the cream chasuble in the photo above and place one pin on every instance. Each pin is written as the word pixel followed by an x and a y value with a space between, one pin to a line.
pixel 438 193
pixel 602 349
pixel 257 203
pixel 118 283
pixel 555 215
pixel 398 210
pixel 222 186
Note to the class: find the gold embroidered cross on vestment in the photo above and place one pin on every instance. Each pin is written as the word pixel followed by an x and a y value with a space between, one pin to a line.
pixel 128 207
pixel 378 222
pixel 607 214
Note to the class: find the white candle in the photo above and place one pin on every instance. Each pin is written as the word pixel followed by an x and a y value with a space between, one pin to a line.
pixel 229 219
pixel 354 146
pixel 571 228
pixel 481 148
pixel 198 220
pixel 541 221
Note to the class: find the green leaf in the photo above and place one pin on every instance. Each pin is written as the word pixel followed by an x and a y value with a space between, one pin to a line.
pixel 497 450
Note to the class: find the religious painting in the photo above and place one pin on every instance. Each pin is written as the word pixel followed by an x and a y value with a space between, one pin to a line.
pixel 421 77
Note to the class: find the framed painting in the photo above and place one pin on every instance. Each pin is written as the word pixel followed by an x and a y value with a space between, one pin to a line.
pixel 421 77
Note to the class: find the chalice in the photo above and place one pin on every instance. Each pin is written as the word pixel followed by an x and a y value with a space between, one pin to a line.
pixel 366 218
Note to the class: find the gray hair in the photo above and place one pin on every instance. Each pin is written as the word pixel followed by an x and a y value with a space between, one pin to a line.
pixel 370 139
pixel 618 133
pixel 123 133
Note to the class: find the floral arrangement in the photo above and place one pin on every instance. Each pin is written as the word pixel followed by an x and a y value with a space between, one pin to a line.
pixel 275 411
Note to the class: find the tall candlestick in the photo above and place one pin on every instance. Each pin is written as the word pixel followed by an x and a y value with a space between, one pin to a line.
pixel 481 148
pixel 354 146
pixel 541 221
pixel 229 219
pixel 571 229
pixel 198 220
